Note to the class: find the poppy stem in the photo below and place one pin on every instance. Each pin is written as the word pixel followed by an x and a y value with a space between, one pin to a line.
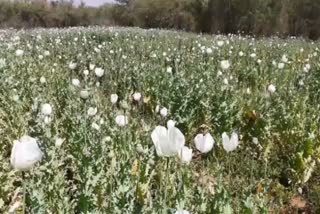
pixel 265 169
pixel 137 186
pixel 85 126
pixel 183 181
pixel 166 183
pixel 24 194
pixel 229 168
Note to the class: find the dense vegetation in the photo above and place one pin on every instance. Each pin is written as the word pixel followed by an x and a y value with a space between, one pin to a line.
pixel 256 17
pixel 71 89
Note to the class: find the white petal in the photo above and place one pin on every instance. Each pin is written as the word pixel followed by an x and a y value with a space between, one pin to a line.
pixel 26 153
pixel 182 212
pixel 176 139
pixel 226 142
pixel 121 120
pixel 185 155
pixel 28 139
pixel 234 140
pixel 13 152
pixel 158 136
pixel 171 123
pixel 208 138
pixel 208 141
pixel 199 141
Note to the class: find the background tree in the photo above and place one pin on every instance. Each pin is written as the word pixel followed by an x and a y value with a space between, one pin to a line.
pixel 257 17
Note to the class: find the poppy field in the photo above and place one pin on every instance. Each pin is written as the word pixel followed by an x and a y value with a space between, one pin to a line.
pixel 126 120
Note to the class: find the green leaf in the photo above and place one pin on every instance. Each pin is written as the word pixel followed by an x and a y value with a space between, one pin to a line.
pixel 227 209
pixel 1 203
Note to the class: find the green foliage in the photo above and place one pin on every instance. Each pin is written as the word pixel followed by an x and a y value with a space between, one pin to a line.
pixel 100 170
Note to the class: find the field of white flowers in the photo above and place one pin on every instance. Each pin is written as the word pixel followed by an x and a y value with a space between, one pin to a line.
pixel 118 120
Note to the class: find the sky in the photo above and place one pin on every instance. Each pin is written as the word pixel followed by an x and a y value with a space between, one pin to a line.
pixel 93 3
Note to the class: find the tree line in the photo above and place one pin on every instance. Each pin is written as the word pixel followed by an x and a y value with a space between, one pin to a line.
pixel 255 17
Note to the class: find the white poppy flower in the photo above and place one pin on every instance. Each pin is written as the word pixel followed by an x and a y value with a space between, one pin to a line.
pixel 271 88
pixel 284 59
pixel 225 81
pixel 169 69
pixel 137 96
pixel 40 57
pixel 84 94
pixel 280 65
pixel 230 144
pixel 164 112
pixel 92 111
pixel 15 206
pixel 42 80
pixel 46 109
pixel 121 120
pixel 185 155
pixel 253 55
pixel 47 53
pixel 182 212
pixel 97 50
pixel 25 153
pixel 15 98
pixel 168 142
pixel 171 123
pixel 306 68
pixel 220 43
pixel 140 149
pixel 114 98
pixel 75 82
pixel 72 65
pixel 86 72
pixel 19 52
pixel 107 139
pixel 47 120
pixel 99 72
pixel 95 126
pixel 16 38
pixel 157 109
pixel 91 66
pixel 241 53
pixel 204 143
pixel 58 141
pixel 209 51
pixel 225 64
